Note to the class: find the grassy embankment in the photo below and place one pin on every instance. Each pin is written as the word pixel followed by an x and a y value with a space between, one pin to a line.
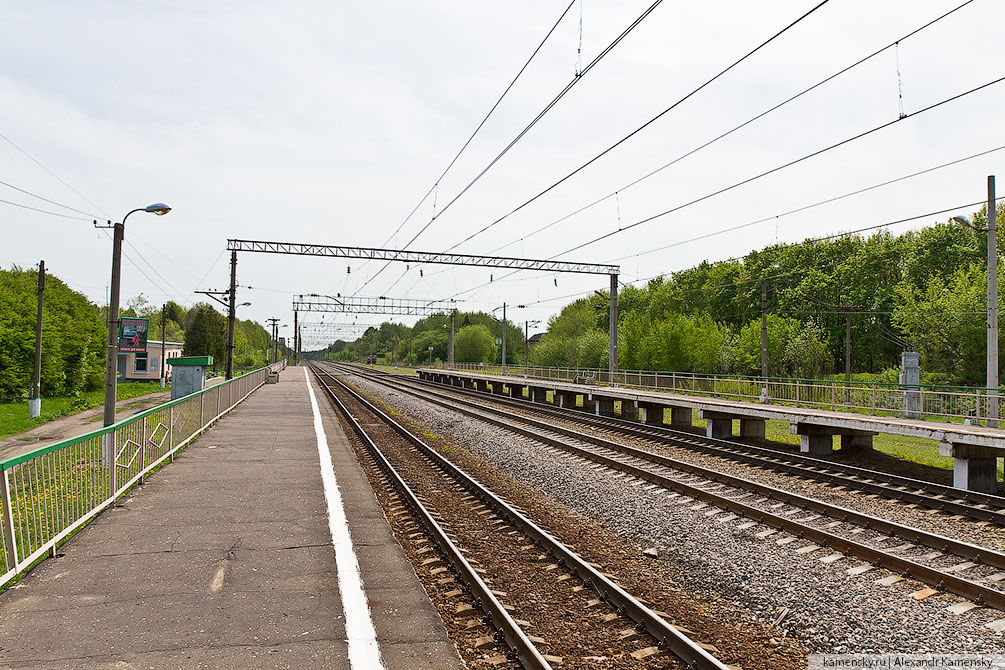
pixel 14 416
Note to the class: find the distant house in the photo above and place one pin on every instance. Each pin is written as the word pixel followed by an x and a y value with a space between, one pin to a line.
pixel 534 340
pixel 146 366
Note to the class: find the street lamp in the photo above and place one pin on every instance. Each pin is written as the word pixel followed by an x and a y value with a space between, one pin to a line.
pixel 111 358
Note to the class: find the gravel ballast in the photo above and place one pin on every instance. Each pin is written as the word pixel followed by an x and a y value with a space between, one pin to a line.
pixel 828 610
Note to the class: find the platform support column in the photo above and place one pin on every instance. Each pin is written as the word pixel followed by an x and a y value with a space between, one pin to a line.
pixel 719 427
pixel 651 414
pixel 856 441
pixel 974 468
pixel 816 445
pixel 516 391
pixel 752 428
pixel 604 406
pixel 629 410
pixel 681 417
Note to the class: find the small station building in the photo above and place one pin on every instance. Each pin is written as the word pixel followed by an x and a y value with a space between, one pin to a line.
pixel 146 366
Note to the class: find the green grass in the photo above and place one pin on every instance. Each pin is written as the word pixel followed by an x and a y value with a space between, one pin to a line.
pixel 14 416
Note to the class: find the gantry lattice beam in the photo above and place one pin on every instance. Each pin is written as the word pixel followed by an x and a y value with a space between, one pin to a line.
pixel 360 305
pixel 331 251
pixel 324 328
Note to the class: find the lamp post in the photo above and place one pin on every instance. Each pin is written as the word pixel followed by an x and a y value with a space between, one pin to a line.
pixel 111 358
pixel 992 360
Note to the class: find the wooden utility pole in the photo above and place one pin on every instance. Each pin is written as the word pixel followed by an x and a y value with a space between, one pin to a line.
pixel 35 396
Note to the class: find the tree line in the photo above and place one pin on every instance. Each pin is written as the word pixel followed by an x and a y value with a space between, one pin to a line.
pixel 922 291
pixel 74 335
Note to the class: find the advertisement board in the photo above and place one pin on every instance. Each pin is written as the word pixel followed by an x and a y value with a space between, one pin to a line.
pixel 133 335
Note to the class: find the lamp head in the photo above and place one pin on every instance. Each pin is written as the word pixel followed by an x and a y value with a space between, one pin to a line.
pixel 158 208
pixel 962 221
pixel 245 304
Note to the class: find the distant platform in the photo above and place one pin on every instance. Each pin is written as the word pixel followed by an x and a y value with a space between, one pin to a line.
pixel 973 448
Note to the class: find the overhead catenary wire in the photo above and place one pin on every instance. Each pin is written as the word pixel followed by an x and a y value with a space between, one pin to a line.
pixel 779 168
pixel 734 259
pixel 804 208
pixel 709 142
pixel 432 188
pixel 561 94
pixel 643 126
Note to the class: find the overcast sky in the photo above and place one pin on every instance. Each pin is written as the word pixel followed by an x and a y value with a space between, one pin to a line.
pixel 328 122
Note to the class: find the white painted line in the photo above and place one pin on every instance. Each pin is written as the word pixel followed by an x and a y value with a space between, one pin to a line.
pixel 364 653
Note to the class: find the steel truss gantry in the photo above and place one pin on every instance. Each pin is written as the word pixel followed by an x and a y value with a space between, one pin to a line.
pixel 438 258
pixel 360 305
pixel 425 257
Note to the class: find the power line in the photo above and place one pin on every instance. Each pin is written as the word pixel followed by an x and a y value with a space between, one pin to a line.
pixel 783 166
pixel 45 211
pixel 51 202
pixel 53 175
pixel 709 142
pixel 811 206
pixel 561 94
pixel 736 259
pixel 644 125
pixel 480 125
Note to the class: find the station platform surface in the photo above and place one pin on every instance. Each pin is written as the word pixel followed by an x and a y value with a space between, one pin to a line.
pixel 992 438
pixel 225 559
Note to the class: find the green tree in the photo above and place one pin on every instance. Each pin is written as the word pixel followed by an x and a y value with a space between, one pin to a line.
pixel 206 333
pixel 474 344
pixel 73 337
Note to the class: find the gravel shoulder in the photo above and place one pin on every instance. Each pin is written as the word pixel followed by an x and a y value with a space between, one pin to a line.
pixel 740 579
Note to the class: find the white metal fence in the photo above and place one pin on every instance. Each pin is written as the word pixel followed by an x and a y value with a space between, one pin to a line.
pixel 50 492
pixel 937 403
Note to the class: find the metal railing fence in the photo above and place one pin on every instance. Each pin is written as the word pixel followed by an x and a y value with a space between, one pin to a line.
pixel 936 403
pixel 50 492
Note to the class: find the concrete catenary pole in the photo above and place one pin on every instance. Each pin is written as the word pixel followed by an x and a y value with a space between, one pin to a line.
pixel 35 397
pixel 847 355
pixel 612 363
pixel 764 330
pixel 504 340
pixel 992 305
pixel 231 314
pixel 451 361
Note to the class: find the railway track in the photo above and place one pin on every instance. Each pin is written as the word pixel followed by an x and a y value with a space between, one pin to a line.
pixel 823 524
pixel 970 504
pixel 506 562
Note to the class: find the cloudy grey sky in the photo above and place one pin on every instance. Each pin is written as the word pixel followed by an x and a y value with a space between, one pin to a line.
pixel 327 122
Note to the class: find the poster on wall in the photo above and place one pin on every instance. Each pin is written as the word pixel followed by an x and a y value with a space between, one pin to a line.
pixel 133 335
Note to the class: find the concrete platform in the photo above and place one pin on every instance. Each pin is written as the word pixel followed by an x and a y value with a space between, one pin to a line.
pixel 224 559
pixel 973 448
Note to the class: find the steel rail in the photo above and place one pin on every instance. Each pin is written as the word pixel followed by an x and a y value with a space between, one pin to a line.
pixel 894 486
pixel 668 636
pixel 932 576
pixel 520 645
